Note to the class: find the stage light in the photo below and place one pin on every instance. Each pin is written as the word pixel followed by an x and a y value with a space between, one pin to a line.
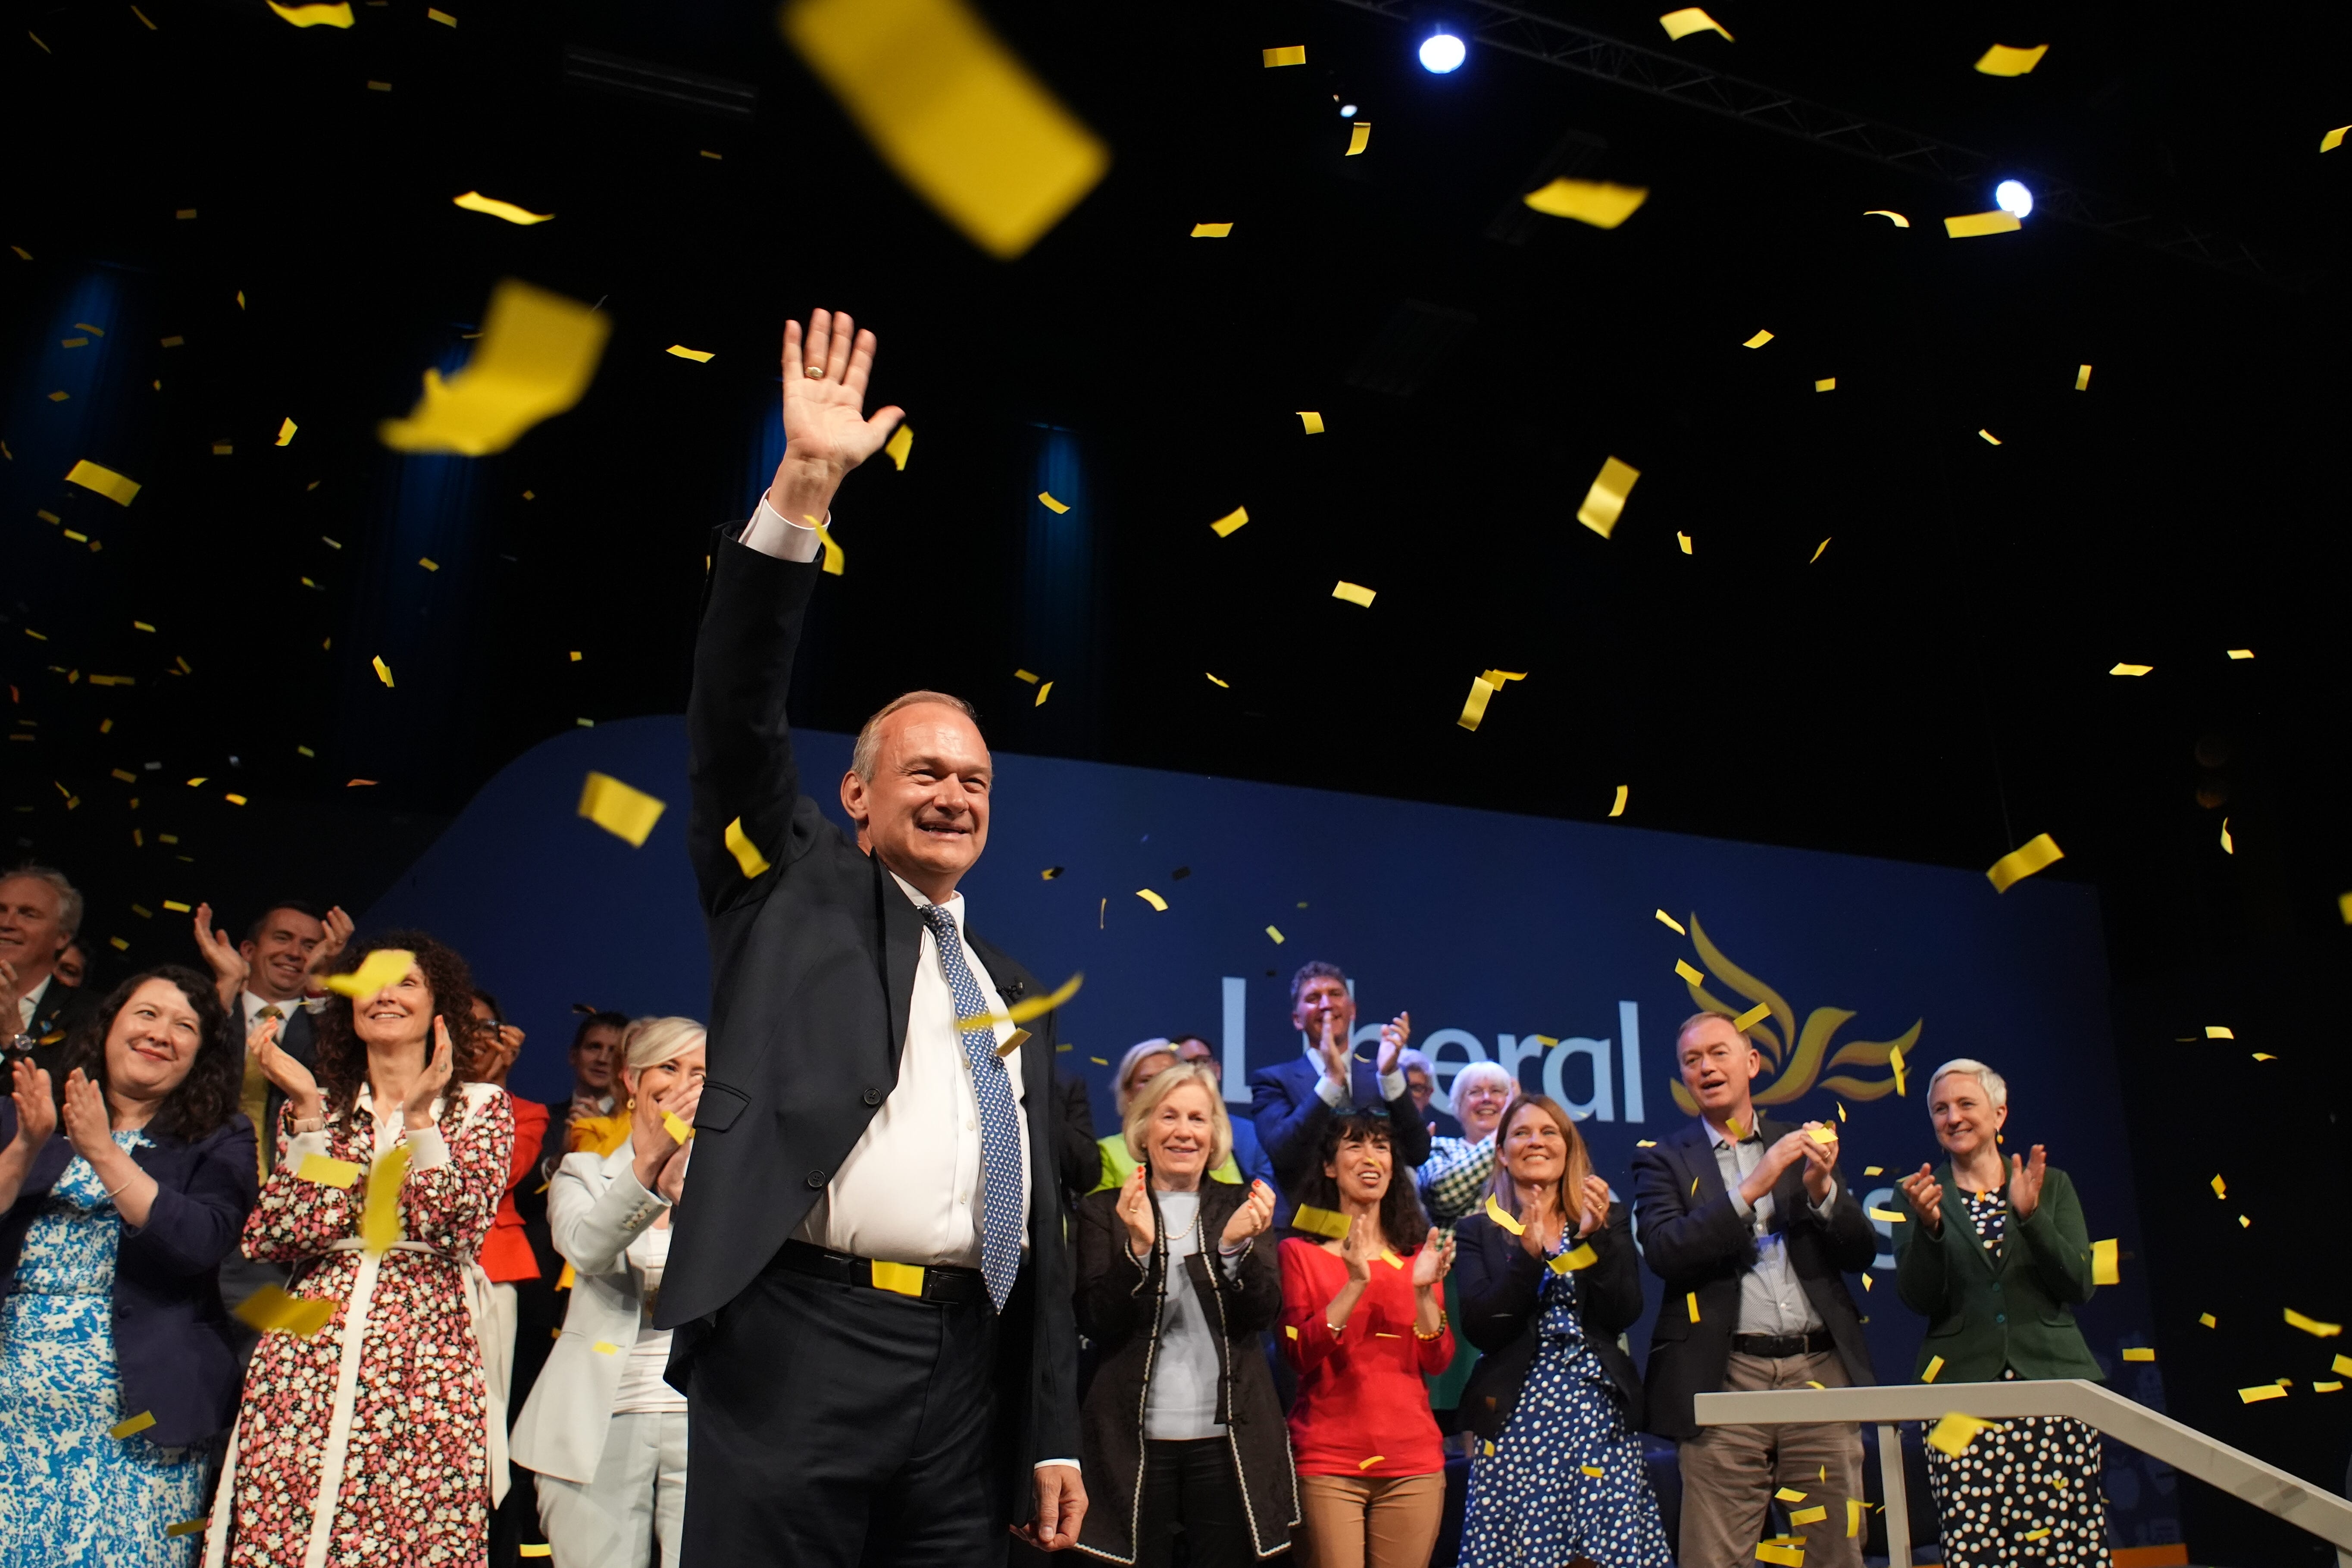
pixel 1346 111
pixel 2012 197
pixel 1441 52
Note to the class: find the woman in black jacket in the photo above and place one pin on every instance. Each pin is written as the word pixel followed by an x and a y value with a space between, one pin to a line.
pixel 1549 1278
pixel 116 1209
pixel 1180 1427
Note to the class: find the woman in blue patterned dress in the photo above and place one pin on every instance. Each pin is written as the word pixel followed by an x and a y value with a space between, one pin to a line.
pixel 1549 1279
pixel 115 1368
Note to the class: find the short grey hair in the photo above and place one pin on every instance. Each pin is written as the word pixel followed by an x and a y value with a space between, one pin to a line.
pixel 863 756
pixel 1996 1086
pixel 1409 1058
pixel 70 905
pixel 1478 1072
pixel 649 1042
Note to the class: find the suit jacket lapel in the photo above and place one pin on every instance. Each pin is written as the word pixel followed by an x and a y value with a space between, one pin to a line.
pixel 1698 1150
pixel 1957 1222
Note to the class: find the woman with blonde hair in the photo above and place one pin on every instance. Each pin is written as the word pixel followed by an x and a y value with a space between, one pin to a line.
pixel 1145 1061
pixel 1549 1279
pixel 604 1433
pixel 1180 1427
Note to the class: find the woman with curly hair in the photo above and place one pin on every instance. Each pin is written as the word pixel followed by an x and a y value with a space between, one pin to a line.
pixel 1363 1322
pixel 116 1369
pixel 375 1439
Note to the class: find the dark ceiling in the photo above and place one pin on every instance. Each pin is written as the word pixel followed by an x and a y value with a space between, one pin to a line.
pixel 1934 687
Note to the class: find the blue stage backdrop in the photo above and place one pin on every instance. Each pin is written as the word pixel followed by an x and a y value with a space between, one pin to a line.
pixel 1520 940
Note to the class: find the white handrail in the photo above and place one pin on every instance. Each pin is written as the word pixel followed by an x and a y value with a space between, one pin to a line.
pixel 2159 1436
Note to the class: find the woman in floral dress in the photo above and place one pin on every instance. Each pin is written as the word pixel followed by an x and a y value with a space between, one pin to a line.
pixel 384 1411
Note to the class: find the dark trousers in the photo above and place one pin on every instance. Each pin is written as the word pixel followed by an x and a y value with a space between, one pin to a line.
pixel 1189 1492
pixel 833 1426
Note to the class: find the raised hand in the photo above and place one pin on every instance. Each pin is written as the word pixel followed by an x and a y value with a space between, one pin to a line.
pixel 1333 1048
pixel 826 432
pixel 229 965
pixel 1595 1206
pixel 670 1182
pixel 653 1150
pixel 291 1077
pixel 1432 1263
pixel 1135 1212
pixel 1926 1196
pixel 37 1112
pixel 1251 1219
pixel 88 1126
pixel 1821 1161
pixel 1394 1036
pixel 2025 1183
pixel 432 1080
pixel 338 937
pixel 1364 1244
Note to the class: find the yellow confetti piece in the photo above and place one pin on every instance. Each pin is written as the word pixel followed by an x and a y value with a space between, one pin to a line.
pixel 1154 899
pixel 1212 230
pixel 336 16
pixel 746 852
pixel 1580 1256
pixel 2241 653
pixel 1389 1256
pixel 2265 1057
pixel 2243 1223
pixel 2220 1031
pixel 1289 1331
pixel 475 202
pixel 379 87
pixel 537 354
pixel 1619 808
pixel 2221 1188
pixel 2083 379
pixel 1758 340
pixel 2037 853
pixel 1935 1365
pixel 1990 436
pixel 1311 421
pixel 1813 1515
pixel 325 1171
pixel 190 1527
pixel 1781 1556
pixel 1824 1135
pixel 1853 1513
pixel 1896 218
pixel 2138 1352
pixel 1606 500
pixel 1355 594
pixel 380 1223
pixel 2327 1388
pixel 382 670
pixel 1368 1464
pixel 2227 847
pixel 2036 1534
pixel 2209 1320
pixel 1051 504
pixel 679 1130
pixel 1671 924
pixel 1753 1016
pixel 1321 1222
pixel 2327 143
pixel 836 560
pixel 1035 1006
pixel 2131 670
pixel 286 431
pixel 1685 540
pixel 1827 384
pixel 1288 55
pixel 1892 1216
pixel 1690 19
pixel 606 1347
pixel 1683 967
pixel 1595 1471
pixel 175 904
pixel 1690 1301
pixel 2106 1266
pixel 134 1426
pixel 73 342
pixel 1594 202
pixel 1894 1060
pixel 1214 681
pixel 2260 1392
pixel 1042 692
pixel 428 564
pixel 1360 136
pixel 1275 934
pixel 385 966
pixel 442 18
pixel 534 1549
pixel 1866 1281
pixel 271 1310
pixel 1224 526
pixel 2002 60
pixel 901 446
pixel 1955 1432
pixel 2312 1326
pixel 1474 707
pixel 1976 225
pixel 699 357
pixel 1501 1216
pixel 620 810
pixel 91 476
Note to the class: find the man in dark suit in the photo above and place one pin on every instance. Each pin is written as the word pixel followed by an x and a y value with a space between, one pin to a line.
pixel 1292 1102
pixel 39 913
pixel 1753 1230
pixel 869 1282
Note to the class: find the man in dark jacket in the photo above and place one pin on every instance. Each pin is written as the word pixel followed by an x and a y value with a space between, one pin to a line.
pixel 1753 1230
pixel 869 1279
pixel 1293 1102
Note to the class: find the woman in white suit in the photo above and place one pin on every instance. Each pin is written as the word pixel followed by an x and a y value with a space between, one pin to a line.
pixel 605 1434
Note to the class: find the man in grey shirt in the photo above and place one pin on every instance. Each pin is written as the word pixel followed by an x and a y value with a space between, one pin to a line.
pixel 1753 1228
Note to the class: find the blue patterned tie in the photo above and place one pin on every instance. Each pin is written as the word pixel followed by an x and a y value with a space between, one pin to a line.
pixel 1000 1133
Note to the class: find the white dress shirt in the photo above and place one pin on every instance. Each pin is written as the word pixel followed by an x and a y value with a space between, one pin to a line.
pixel 251 1007
pixel 30 1001
pixel 1334 1094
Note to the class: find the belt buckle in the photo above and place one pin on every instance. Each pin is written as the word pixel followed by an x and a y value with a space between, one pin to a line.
pixel 904 1278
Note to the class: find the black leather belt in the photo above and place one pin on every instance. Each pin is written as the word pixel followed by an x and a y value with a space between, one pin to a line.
pixel 1775 1347
pixel 936 1282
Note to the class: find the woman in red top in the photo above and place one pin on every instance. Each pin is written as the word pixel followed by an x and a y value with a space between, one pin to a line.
pixel 1364 1322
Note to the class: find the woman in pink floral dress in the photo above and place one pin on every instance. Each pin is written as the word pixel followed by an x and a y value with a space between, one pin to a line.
pixel 383 1412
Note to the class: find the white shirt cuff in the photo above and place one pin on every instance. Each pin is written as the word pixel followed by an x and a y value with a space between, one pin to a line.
pixel 1392 1086
pixel 1739 1203
pixel 1043 1463
pixel 1330 1093
pixel 302 1145
pixel 427 1150
pixel 771 533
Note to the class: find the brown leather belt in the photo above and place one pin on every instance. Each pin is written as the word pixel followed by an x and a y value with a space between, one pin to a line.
pixel 1778 1347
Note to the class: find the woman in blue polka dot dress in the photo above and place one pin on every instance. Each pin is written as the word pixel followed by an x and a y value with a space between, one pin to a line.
pixel 1549 1278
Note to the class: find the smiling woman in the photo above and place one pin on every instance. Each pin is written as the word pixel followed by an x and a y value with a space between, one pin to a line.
pixel 115 1363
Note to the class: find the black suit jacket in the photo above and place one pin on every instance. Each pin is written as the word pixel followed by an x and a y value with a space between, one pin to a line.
pixel 62 1010
pixel 1498 1283
pixel 1290 1118
pixel 813 967
pixel 1697 1243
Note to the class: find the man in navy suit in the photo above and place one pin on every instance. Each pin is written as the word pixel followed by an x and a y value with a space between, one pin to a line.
pixel 1293 1103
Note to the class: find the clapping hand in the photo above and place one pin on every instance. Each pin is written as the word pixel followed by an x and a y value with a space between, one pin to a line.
pixel 229 965
pixel 1333 1048
pixel 1394 1034
pixel 1363 1244
pixel 1251 1219
pixel 1821 1161
pixel 1595 1206
pixel 338 937
pixel 432 1079
pixel 37 1113
pixel 1432 1263
pixel 88 1126
pixel 1135 1211
pixel 2025 1183
pixel 659 1157
pixel 291 1077
pixel 1926 1196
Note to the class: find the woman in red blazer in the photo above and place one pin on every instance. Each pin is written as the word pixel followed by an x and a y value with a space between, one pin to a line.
pixel 1364 1322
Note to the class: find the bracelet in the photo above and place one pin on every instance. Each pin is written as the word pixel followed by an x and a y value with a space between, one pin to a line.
pixel 1437 1333
pixel 1334 1329
pixel 126 1183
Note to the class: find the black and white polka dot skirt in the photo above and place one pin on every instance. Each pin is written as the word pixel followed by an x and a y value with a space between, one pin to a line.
pixel 2025 1492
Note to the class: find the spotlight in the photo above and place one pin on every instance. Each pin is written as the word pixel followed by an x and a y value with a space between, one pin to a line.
pixel 1441 52
pixel 2012 197
pixel 1346 111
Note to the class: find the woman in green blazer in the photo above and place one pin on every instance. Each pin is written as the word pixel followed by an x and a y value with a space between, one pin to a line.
pixel 1996 1258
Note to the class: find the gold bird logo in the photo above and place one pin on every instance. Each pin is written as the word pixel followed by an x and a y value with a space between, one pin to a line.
pixel 1793 1058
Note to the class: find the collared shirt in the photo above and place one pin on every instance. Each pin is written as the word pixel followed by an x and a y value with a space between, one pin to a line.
pixel 251 1007
pixel 1391 1083
pixel 909 1191
pixel 1772 1300
pixel 30 1003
